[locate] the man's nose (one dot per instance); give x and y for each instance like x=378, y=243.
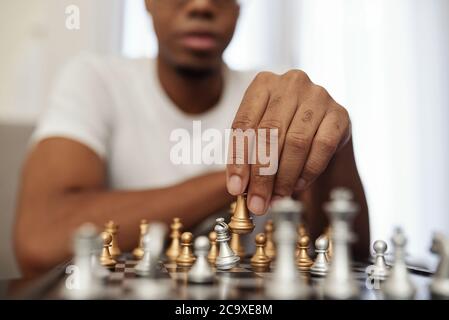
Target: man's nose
x=203, y=8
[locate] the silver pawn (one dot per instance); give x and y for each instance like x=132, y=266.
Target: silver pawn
x=379, y=270
x=439, y=287
x=153, y=242
x=399, y=286
x=321, y=266
x=226, y=259
x=83, y=283
x=201, y=271
x=286, y=282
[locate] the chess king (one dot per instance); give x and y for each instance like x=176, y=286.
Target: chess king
x=100, y=151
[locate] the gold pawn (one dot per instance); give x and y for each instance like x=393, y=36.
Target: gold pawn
x=235, y=243
x=106, y=258
x=112, y=228
x=270, y=248
x=303, y=261
x=241, y=222
x=174, y=249
x=301, y=232
x=138, y=252
x=260, y=261
x=213, y=251
x=186, y=257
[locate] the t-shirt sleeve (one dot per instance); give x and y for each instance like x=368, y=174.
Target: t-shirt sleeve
x=79, y=106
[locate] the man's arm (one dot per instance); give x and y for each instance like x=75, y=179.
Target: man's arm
x=64, y=185
x=341, y=172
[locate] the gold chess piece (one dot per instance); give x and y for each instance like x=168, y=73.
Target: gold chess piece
x=186, y=257
x=213, y=251
x=301, y=231
x=241, y=222
x=138, y=252
x=106, y=259
x=303, y=261
x=260, y=261
x=174, y=249
x=330, y=249
x=235, y=243
x=270, y=249
x=112, y=228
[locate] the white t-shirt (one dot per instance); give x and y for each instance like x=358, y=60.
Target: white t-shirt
x=117, y=107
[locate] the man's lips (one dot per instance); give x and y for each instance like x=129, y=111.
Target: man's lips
x=199, y=41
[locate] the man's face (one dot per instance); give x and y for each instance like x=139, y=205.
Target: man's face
x=193, y=34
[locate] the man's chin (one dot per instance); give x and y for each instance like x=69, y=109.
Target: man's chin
x=198, y=65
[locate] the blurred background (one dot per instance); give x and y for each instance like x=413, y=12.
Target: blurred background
x=386, y=61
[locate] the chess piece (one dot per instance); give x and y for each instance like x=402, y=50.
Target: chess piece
x=301, y=231
x=399, y=286
x=112, y=228
x=175, y=247
x=213, y=251
x=330, y=249
x=138, y=252
x=153, y=244
x=379, y=270
x=439, y=287
x=106, y=259
x=286, y=282
x=270, y=249
x=86, y=284
x=226, y=259
x=186, y=257
x=236, y=244
x=241, y=222
x=303, y=261
x=232, y=207
x=201, y=271
x=260, y=261
x=340, y=282
x=321, y=266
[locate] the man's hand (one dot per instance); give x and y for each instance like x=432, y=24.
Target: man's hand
x=311, y=128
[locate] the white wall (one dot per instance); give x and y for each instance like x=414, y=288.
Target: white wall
x=35, y=43
x=388, y=63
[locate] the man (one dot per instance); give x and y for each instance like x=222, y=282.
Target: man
x=102, y=150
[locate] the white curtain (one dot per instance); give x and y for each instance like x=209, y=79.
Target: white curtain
x=388, y=63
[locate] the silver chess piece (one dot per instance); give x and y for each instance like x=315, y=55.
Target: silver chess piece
x=227, y=259
x=439, y=287
x=340, y=282
x=399, y=286
x=379, y=270
x=153, y=243
x=83, y=282
x=321, y=266
x=201, y=271
x=286, y=282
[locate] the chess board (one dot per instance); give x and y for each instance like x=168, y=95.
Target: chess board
x=171, y=283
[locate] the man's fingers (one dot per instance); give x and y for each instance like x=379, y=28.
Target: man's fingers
x=270, y=138
x=297, y=145
x=331, y=132
x=243, y=133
